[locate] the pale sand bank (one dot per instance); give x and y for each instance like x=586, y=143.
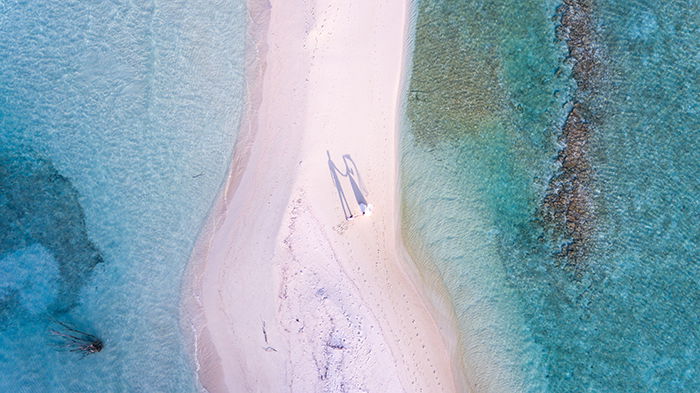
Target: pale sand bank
x=284, y=294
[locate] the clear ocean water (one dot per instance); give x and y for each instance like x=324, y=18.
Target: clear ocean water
x=117, y=122
x=491, y=88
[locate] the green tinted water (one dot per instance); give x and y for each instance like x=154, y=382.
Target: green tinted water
x=489, y=93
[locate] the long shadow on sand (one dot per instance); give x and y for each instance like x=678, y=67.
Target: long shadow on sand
x=358, y=186
x=356, y=183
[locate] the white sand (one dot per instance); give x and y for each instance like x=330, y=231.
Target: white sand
x=285, y=294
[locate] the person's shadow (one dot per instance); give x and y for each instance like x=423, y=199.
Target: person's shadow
x=356, y=183
x=353, y=175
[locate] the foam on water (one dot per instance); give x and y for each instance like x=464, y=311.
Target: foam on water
x=117, y=121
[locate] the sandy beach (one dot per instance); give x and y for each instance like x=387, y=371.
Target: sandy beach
x=286, y=291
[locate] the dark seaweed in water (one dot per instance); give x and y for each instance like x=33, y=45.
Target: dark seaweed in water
x=567, y=204
x=39, y=205
x=77, y=341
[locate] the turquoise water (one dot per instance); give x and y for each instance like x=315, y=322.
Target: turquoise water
x=489, y=98
x=117, y=121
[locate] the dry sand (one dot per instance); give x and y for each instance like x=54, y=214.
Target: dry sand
x=285, y=294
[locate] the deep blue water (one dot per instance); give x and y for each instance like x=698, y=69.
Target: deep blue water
x=491, y=89
x=117, y=123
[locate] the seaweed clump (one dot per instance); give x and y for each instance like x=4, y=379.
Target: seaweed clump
x=78, y=341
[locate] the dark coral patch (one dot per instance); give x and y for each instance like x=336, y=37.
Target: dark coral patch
x=567, y=205
x=39, y=205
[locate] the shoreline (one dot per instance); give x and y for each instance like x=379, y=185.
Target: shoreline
x=270, y=309
x=425, y=277
x=193, y=320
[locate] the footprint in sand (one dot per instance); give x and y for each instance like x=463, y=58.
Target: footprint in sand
x=342, y=227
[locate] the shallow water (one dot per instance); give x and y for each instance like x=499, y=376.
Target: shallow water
x=117, y=122
x=490, y=91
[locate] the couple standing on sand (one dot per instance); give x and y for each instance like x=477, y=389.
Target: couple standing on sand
x=358, y=188
x=365, y=209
